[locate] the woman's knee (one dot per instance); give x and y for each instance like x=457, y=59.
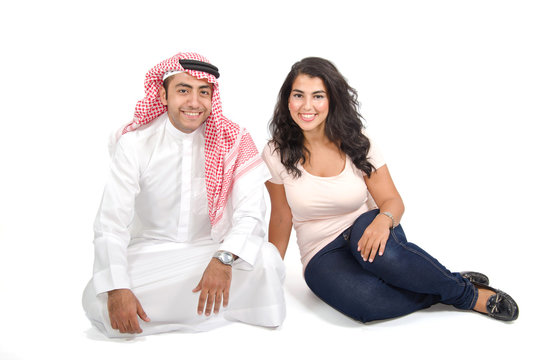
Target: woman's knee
x=360, y=307
x=361, y=223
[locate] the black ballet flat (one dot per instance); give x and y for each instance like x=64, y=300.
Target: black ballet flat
x=500, y=306
x=475, y=277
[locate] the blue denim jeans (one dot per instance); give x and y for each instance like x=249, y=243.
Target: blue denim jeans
x=404, y=279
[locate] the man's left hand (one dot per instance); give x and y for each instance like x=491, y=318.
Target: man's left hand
x=214, y=287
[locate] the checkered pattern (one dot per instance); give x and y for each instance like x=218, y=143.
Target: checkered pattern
x=229, y=150
x=242, y=158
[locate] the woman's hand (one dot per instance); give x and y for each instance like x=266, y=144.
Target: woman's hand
x=385, y=194
x=374, y=238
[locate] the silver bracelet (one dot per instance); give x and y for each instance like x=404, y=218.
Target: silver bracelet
x=389, y=215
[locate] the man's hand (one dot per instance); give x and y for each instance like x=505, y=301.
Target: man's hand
x=214, y=287
x=124, y=309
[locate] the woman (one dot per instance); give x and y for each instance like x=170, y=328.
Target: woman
x=334, y=187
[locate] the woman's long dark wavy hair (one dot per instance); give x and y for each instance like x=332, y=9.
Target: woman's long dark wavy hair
x=343, y=125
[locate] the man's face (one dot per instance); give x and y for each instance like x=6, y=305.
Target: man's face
x=189, y=101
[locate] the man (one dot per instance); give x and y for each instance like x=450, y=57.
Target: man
x=180, y=230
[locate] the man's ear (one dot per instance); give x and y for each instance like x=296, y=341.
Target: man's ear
x=162, y=95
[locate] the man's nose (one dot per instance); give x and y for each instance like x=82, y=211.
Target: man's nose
x=193, y=100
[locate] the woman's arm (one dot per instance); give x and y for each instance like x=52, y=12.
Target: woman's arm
x=385, y=194
x=281, y=218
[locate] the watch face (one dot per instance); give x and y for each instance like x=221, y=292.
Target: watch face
x=225, y=258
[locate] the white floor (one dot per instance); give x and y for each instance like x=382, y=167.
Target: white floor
x=451, y=91
x=39, y=322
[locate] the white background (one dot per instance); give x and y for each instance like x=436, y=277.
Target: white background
x=452, y=91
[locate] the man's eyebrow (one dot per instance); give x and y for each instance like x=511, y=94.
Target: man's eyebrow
x=190, y=86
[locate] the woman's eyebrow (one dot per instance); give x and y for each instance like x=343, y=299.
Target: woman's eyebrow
x=315, y=92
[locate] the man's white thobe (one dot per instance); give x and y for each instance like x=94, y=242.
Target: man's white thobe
x=153, y=236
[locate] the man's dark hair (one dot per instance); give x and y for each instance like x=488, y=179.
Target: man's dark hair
x=165, y=83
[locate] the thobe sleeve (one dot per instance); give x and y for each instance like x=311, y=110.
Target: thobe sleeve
x=112, y=221
x=247, y=232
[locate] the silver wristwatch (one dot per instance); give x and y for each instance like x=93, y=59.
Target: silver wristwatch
x=224, y=256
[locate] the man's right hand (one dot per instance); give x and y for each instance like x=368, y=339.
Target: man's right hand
x=124, y=309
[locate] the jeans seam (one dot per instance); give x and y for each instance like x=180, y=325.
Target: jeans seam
x=424, y=257
x=474, y=297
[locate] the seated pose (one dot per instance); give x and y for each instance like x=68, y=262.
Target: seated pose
x=180, y=231
x=332, y=185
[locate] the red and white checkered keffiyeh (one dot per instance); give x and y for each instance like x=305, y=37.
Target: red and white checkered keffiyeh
x=229, y=150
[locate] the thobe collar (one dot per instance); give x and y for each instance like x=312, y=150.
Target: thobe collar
x=172, y=130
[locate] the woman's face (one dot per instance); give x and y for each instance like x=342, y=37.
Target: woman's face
x=309, y=103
